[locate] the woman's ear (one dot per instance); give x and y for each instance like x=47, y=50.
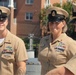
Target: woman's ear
x=64, y=23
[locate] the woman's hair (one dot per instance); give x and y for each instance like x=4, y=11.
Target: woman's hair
x=64, y=29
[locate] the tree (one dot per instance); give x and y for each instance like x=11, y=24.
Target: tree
x=43, y=16
x=43, y=21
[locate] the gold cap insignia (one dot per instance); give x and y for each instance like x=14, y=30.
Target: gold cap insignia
x=53, y=13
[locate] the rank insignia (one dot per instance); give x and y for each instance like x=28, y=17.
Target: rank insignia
x=8, y=47
x=60, y=47
x=8, y=50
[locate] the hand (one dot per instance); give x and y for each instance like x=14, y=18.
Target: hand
x=21, y=68
x=53, y=72
x=60, y=71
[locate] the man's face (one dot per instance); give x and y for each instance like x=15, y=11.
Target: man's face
x=3, y=24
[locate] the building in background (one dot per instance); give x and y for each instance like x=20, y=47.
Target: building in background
x=26, y=15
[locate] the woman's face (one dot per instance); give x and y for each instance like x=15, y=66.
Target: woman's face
x=56, y=27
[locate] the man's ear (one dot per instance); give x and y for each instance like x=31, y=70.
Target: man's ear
x=7, y=21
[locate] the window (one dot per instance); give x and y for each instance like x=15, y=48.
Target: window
x=29, y=16
x=4, y=3
x=29, y=1
x=4, y=0
x=47, y=3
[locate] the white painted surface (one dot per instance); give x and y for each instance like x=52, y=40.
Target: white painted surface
x=11, y=3
x=33, y=67
x=30, y=54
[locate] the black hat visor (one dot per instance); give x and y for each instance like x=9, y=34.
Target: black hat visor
x=73, y=21
x=56, y=18
x=3, y=17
